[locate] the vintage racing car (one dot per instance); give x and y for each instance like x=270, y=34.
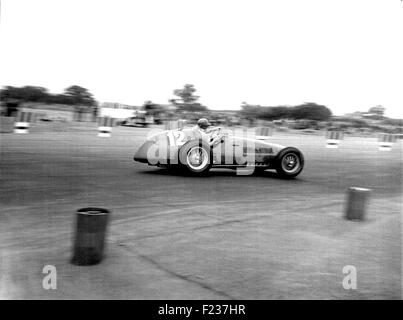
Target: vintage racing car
x=198, y=152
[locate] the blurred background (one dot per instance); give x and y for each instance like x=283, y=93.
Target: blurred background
x=77, y=104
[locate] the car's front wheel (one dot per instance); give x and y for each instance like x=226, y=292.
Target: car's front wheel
x=289, y=162
x=196, y=157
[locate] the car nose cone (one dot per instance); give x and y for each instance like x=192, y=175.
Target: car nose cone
x=141, y=154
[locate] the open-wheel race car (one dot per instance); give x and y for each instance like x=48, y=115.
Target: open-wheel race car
x=197, y=152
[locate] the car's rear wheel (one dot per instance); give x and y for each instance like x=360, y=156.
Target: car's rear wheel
x=289, y=162
x=195, y=156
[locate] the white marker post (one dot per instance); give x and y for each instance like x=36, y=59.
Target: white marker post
x=333, y=139
x=263, y=133
x=23, y=122
x=105, y=127
x=386, y=141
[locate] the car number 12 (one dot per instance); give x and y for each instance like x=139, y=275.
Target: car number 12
x=176, y=138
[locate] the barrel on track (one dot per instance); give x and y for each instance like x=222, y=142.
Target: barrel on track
x=356, y=204
x=89, y=237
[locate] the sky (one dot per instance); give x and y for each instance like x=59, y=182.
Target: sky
x=345, y=54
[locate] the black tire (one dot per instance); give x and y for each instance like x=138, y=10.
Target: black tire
x=289, y=162
x=204, y=152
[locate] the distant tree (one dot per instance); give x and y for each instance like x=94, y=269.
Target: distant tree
x=393, y=122
x=151, y=108
x=9, y=92
x=79, y=96
x=377, y=110
x=60, y=99
x=34, y=94
x=311, y=111
x=308, y=111
x=82, y=100
x=12, y=97
x=24, y=94
x=9, y=103
x=187, y=99
x=191, y=107
x=249, y=111
x=278, y=112
x=186, y=94
x=149, y=105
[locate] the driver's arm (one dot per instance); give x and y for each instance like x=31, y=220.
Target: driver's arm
x=215, y=136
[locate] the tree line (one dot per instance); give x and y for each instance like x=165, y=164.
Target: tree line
x=73, y=95
x=308, y=110
x=186, y=101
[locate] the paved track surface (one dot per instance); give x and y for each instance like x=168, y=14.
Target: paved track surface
x=173, y=236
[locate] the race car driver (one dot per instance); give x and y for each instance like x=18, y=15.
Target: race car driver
x=203, y=126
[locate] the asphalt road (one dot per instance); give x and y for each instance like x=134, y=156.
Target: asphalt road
x=173, y=236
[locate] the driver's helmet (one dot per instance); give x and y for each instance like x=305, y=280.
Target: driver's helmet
x=203, y=123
